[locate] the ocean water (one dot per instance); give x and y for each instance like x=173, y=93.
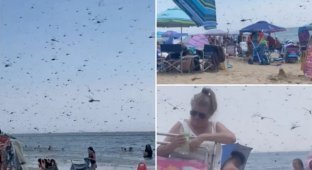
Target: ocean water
x=73, y=146
x=273, y=160
x=289, y=34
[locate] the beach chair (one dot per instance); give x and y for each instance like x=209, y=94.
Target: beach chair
x=209, y=60
x=164, y=163
x=292, y=53
x=173, y=61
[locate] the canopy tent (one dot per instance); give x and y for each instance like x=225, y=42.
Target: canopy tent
x=202, y=12
x=262, y=26
x=229, y=148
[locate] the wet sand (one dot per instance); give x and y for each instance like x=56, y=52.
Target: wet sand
x=240, y=73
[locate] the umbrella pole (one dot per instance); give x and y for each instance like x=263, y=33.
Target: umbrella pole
x=181, y=35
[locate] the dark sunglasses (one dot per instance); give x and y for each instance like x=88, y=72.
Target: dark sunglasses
x=199, y=114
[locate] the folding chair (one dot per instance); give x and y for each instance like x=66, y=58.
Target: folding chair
x=209, y=60
x=163, y=163
x=174, y=58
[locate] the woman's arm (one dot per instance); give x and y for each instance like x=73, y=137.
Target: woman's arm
x=174, y=142
x=222, y=135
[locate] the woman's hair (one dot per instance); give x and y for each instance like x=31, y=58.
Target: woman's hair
x=299, y=161
x=206, y=98
x=148, y=147
x=91, y=149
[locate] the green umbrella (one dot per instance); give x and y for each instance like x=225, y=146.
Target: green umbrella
x=174, y=17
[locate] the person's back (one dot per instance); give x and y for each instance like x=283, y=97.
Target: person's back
x=148, y=153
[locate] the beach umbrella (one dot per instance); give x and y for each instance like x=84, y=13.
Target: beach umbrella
x=202, y=12
x=174, y=17
x=197, y=41
x=216, y=32
x=262, y=26
x=229, y=148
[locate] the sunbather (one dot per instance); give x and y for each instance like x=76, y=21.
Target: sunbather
x=202, y=132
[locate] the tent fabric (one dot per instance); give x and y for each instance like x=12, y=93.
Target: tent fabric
x=262, y=26
x=174, y=17
x=202, y=12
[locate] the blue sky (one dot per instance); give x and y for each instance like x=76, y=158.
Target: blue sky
x=240, y=109
x=286, y=13
x=57, y=55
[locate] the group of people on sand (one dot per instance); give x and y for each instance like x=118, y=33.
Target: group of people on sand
x=256, y=44
x=47, y=164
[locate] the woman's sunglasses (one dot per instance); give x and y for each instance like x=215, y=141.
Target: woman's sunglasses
x=199, y=114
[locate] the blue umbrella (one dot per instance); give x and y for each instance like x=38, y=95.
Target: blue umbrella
x=228, y=149
x=202, y=12
x=262, y=26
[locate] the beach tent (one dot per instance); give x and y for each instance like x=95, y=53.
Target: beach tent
x=202, y=12
x=229, y=148
x=196, y=41
x=262, y=26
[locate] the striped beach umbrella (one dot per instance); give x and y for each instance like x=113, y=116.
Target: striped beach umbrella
x=202, y=12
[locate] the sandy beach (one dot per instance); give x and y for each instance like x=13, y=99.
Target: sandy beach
x=240, y=73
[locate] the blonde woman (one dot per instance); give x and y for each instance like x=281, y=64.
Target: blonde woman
x=198, y=134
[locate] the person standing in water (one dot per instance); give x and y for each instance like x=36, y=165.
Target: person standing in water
x=92, y=158
x=148, y=152
x=198, y=132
